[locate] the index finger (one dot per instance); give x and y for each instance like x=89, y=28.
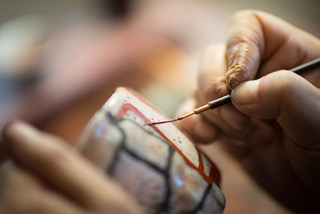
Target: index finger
x=259, y=43
x=64, y=170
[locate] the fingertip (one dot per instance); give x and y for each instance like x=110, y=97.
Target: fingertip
x=9, y=130
x=246, y=93
x=16, y=132
x=7, y=137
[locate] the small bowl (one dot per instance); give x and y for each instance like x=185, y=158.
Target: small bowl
x=158, y=164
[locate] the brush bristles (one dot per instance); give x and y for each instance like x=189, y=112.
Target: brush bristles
x=170, y=121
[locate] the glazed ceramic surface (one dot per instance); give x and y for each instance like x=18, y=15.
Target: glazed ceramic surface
x=158, y=165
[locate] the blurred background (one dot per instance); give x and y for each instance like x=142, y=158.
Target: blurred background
x=61, y=60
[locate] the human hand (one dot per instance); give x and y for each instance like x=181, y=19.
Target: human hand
x=273, y=126
x=45, y=175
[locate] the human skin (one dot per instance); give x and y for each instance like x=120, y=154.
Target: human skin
x=46, y=175
x=272, y=126
x=266, y=129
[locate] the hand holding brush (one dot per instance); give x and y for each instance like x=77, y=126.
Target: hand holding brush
x=272, y=128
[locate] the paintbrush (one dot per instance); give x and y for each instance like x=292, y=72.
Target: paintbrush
x=227, y=98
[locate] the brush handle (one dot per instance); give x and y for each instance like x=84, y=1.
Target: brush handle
x=220, y=101
x=306, y=67
x=298, y=70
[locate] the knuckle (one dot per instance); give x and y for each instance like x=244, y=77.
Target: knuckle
x=247, y=29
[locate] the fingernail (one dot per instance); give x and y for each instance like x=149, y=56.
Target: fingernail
x=205, y=131
x=234, y=118
x=245, y=93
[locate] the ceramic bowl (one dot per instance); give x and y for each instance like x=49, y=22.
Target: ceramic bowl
x=158, y=164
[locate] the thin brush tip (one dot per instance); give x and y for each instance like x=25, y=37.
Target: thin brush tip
x=170, y=121
x=161, y=122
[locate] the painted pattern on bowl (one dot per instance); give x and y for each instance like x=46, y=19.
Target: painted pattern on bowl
x=159, y=165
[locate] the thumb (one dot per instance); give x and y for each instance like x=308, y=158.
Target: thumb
x=289, y=99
